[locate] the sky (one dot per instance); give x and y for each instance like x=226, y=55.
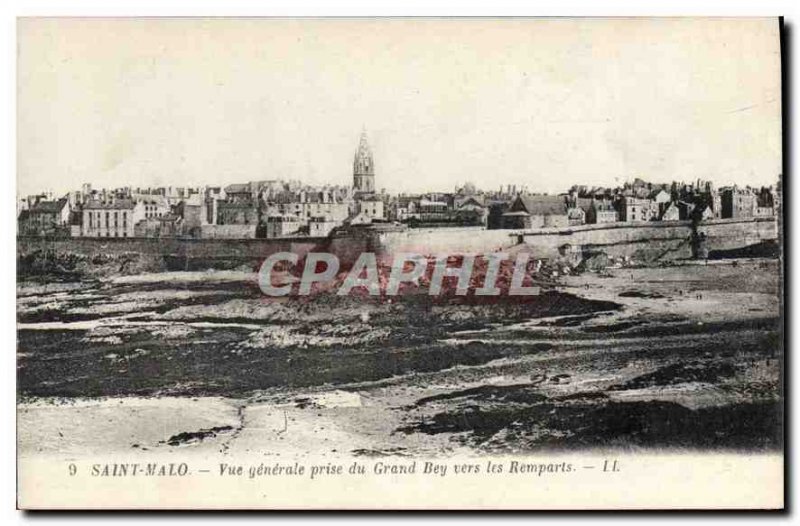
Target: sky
x=545, y=103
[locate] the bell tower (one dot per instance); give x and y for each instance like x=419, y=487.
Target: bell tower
x=363, y=168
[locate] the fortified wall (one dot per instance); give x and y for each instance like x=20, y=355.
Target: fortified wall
x=649, y=241
x=645, y=241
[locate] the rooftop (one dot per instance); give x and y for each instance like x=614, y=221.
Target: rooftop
x=118, y=204
x=44, y=207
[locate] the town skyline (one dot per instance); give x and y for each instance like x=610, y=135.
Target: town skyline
x=499, y=186
x=280, y=208
x=546, y=108
x=504, y=188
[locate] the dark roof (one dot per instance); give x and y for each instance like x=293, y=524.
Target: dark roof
x=48, y=206
x=478, y=200
x=542, y=204
x=231, y=204
x=150, y=199
x=118, y=204
x=765, y=199
x=238, y=188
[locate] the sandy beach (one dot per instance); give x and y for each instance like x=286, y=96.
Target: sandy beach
x=630, y=358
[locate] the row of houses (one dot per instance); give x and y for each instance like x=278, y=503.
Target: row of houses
x=437, y=209
x=259, y=209
x=631, y=205
x=514, y=207
x=276, y=209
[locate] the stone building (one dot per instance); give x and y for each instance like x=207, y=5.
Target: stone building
x=576, y=216
x=765, y=203
x=285, y=225
x=321, y=226
x=737, y=202
x=372, y=206
x=239, y=193
x=601, y=211
x=495, y=210
x=310, y=202
x=154, y=205
x=169, y=225
x=45, y=218
x=432, y=210
x=669, y=211
x=236, y=213
x=115, y=218
x=637, y=209
x=470, y=211
x=537, y=211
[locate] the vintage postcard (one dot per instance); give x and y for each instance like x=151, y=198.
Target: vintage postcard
x=379, y=263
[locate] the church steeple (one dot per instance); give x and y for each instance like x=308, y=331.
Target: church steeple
x=363, y=167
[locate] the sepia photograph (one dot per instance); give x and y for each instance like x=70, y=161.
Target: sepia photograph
x=399, y=263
